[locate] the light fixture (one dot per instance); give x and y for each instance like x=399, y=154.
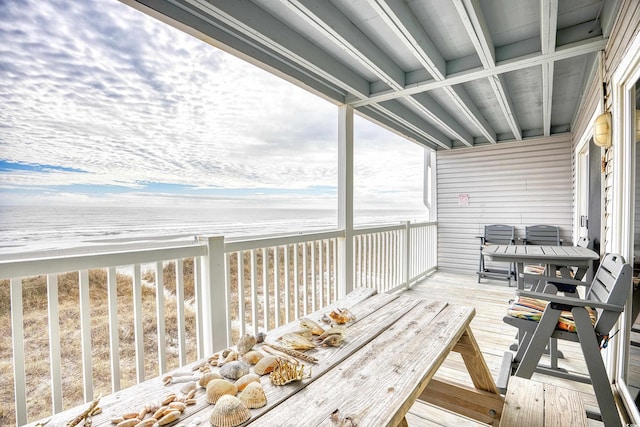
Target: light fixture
x=602, y=130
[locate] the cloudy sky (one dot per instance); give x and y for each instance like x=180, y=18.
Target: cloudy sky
x=101, y=105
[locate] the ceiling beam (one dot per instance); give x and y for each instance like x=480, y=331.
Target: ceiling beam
x=250, y=23
x=548, y=30
x=529, y=60
x=400, y=19
x=330, y=22
x=434, y=111
x=475, y=24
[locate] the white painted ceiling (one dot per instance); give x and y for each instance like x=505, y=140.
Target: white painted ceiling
x=443, y=73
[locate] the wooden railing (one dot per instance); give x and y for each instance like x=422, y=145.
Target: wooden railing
x=218, y=291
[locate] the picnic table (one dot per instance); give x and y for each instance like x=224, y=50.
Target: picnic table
x=388, y=359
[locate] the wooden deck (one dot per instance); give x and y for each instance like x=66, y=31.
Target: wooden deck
x=490, y=299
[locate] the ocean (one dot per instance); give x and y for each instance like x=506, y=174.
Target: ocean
x=26, y=229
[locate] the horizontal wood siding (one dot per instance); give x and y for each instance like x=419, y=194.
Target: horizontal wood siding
x=519, y=183
x=625, y=28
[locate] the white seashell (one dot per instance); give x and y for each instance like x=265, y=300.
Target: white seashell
x=234, y=370
x=253, y=396
x=229, y=412
x=218, y=388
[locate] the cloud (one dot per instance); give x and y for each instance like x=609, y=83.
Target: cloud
x=112, y=98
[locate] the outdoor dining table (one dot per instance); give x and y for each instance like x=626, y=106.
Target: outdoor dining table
x=550, y=256
x=387, y=361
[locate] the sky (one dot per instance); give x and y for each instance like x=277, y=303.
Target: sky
x=102, y=105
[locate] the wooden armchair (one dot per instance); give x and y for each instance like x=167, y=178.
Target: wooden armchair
x=540, y=316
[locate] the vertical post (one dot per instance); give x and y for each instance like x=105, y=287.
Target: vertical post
x=345, y=199
x=407, y=254
x=214, y=296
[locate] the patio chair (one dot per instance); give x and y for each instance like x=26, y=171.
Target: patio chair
x=544, y=315
x=496, y=234
x=543, y=235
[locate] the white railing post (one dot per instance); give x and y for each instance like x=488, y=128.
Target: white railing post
x=407, y=254
x=345, y=199
x=214, y=296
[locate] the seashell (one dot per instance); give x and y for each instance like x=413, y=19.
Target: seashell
x=244, y=380
x=168, y=399
x=315, y=329
x=234, y=370
x=180, y=406
x=143, y=412
x=260, y=337
x=149, y=422
x=117, y=420
x=265, y=365
x=252, y=357
x=334, y=340
x=231, y=356
x=129, y=415
x=190, y=402
x=218, y=388
x=341, y=316
x=229, y=412
x=326, y=319
x=246, y=343
x=332, y=331
x=187, y=387
x=169, y=418
x=160, y=411
x=131, y=422
x=208, y=376
x=225, y=352
x=253, y=396
x=296, y=341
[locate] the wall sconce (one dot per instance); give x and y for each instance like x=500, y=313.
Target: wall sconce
x=602, y=130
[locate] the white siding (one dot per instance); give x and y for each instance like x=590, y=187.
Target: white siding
x=519, y=183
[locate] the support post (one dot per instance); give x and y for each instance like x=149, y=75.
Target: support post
x=345, y=199
x=214, y=296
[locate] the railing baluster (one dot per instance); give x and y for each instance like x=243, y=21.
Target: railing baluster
x=328, y=269
x=227, y=297
x=197, y=294
x=240, y=279
x=114, y=340
x=17, y=340
x=182, y=339
x=254, y=293
x=335, y=269
x=296, y=281
x=276, y=284
x=85, y=334
x=162, y=344
x=314, y=305
x=137, y=323
x=265, y=288
x=321, y=273
x=287, y=285
x=54, y=342
x=305, y=279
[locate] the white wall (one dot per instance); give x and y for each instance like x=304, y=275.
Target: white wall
x=518, y=183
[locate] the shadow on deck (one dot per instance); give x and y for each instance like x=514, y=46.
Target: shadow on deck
x=490, y=299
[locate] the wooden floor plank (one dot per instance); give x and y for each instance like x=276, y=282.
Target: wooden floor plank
x=490, y=300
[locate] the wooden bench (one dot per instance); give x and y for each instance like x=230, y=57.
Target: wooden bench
x=532, y=403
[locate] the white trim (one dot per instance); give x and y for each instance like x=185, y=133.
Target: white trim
x=581, y=185
x=623, y=80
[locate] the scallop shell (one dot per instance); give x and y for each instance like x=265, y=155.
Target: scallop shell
x=253, y=396
x=218, y=388
x=246, y=343
x=234, y=370
x=187, y=387
x=265, y=365
x=252, y=357
x=229, y=412
x=296, y=341
x=246, y=380
x=208, y=376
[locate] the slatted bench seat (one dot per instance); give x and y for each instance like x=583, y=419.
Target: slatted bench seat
x=532, y=403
